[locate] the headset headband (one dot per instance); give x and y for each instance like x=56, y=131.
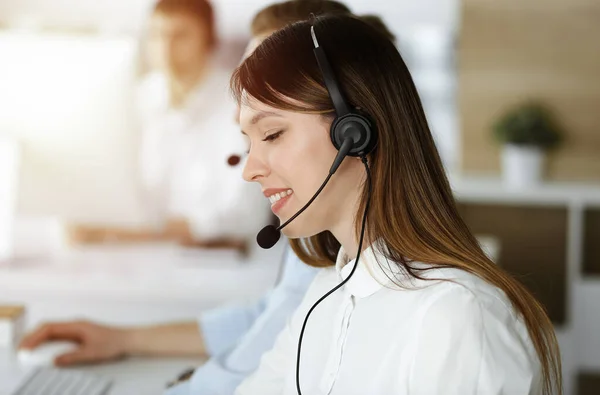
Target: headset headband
x=339, y=103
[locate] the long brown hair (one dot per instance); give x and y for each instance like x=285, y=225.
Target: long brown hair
x=412, y=209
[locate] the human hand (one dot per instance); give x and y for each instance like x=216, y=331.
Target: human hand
x=96, y=343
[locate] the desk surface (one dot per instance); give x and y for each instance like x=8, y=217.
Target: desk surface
x=144, y=271
x=146, y=376
x=137, y=284
x=133, y=285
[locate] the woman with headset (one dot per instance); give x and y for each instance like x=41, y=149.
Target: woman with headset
x=409, y=303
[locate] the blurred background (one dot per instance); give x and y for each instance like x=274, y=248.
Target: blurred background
x=511, y=90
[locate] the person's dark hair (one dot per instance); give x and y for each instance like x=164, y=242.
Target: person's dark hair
x=202, y=10
x=279, y=15
x=412, y=211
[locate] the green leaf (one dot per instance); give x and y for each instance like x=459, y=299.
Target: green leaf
x=528, y=124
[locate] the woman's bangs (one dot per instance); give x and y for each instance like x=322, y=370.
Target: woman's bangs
x=279, y=77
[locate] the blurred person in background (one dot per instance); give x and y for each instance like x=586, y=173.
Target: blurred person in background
x=191, y=193
x=234, y=337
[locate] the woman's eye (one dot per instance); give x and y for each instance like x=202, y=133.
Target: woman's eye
x=273, y=136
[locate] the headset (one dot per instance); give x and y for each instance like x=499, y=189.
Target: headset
x=348, y=124
x=352, y=134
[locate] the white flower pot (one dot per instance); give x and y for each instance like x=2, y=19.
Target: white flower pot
x=522, y=166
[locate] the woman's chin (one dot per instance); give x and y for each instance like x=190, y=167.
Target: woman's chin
x=290, y=233
x=297, y=231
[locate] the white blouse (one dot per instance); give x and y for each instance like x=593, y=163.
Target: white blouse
x=437, y=337
x=183, y=160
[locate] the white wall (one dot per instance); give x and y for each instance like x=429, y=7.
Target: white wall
x=76, y=134
x=120, y=14
x=234, y=15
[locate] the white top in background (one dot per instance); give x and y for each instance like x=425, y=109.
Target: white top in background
x=184, y=156
x=439, y=337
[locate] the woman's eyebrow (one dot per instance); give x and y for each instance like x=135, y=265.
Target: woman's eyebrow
x=263, y=114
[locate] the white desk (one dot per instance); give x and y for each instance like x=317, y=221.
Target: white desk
x=132, y=286
x=147, y=376
x=135, y=285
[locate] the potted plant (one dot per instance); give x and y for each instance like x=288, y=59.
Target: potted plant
x=526, y=133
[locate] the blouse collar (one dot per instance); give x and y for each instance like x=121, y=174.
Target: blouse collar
x=374, y=271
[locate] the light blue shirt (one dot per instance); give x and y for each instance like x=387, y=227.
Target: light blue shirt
x=236, y=337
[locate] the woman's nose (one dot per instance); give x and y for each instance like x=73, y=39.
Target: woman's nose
x=255, y=168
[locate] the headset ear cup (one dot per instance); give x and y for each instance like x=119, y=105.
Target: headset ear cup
x=372, y=139
x=357, y=127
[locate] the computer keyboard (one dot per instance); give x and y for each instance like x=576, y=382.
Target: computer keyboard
x=50, y=381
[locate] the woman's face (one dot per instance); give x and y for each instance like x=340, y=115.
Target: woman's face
x=177, y=43
x=290, y=156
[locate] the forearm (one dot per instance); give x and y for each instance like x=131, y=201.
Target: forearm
x=182, y=339
x=128, y=235
x=97, y=234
